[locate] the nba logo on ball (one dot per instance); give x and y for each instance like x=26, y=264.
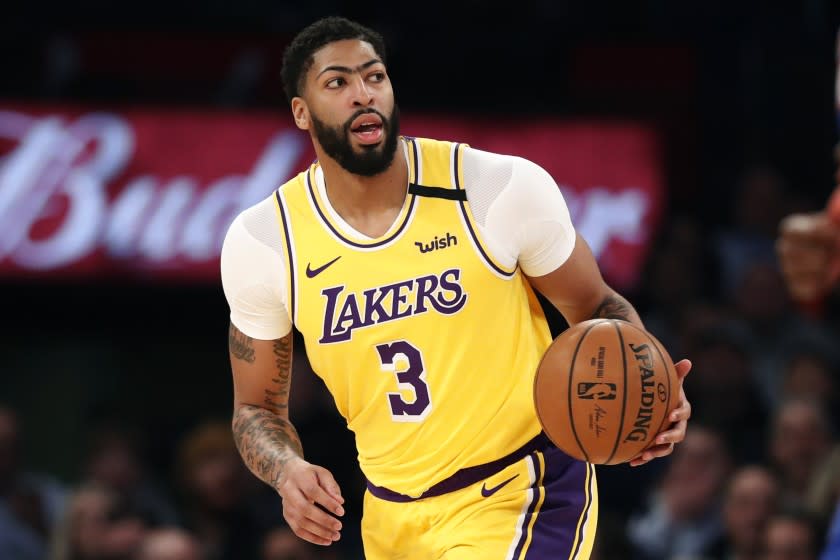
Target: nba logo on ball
x=596, y=391
x=609, y=415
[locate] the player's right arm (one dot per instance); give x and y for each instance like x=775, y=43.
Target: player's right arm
x=269, y=443
x=260, y=346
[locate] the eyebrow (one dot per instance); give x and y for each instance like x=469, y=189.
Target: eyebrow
x=348, y=70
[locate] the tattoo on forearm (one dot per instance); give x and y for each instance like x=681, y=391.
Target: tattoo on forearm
x=278, y=397
x=266, y=442
x=614, y=307
x=241, y=345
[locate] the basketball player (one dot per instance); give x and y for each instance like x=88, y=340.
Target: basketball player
x=409, y=267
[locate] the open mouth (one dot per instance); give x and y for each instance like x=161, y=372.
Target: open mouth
x=367, y=128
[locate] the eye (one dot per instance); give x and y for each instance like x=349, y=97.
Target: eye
x=377, y=76
x=335, y=83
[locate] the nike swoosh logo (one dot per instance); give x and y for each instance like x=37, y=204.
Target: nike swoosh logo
x=312, y=273
x=487, y=492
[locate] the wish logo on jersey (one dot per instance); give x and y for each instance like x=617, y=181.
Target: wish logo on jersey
x=345, y=312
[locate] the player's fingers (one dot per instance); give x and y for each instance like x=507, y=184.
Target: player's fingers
x=301, y=514
x=683, y=410
x=322, y=528
x=652, y=453
x=674, y=435
x=297, y=507
x=316, y=515
x=682, y=367
x=658, y=451
x=312, y=537
x=328, y=483
x=316, y=494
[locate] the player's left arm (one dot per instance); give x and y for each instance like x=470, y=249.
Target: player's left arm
x=529, y=223
x=577, y=289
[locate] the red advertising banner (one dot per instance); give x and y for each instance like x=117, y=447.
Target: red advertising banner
x=151, y=192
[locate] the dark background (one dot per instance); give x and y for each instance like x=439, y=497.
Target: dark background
x=729, y=85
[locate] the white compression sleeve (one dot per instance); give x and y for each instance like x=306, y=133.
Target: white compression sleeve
x=254, y=274
x=520, y=209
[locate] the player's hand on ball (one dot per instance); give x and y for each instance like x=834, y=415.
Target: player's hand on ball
x=664, y=442
x=304, y=487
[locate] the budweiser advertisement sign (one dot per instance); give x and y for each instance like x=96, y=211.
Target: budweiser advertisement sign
x=150, y=193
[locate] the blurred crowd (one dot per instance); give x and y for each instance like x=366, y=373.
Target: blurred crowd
x=757, y=478
x=211, y=508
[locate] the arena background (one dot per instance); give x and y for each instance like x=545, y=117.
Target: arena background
x=680, y=132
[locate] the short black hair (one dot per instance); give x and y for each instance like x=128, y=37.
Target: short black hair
x=297, y=58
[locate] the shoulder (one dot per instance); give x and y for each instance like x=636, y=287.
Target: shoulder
x=257, y=222
x=505, y=166
x=253, y=236
x=487, y=175
x=253, y=272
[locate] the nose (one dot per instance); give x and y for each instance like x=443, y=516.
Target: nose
x=362, y=96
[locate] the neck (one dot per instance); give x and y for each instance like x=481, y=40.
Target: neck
x=369, y=204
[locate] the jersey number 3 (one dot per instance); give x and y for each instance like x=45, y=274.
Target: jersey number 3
x=406, y=362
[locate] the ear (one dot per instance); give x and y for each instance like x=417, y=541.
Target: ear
x=301, y=113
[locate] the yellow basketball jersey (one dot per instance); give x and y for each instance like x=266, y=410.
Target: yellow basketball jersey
x=428, y=345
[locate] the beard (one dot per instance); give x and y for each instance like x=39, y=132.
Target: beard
x=371, y=160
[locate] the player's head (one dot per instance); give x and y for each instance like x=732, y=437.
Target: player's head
x=335, y=79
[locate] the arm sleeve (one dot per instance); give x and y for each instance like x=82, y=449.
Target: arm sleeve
x=524, y=215
x=253, y=278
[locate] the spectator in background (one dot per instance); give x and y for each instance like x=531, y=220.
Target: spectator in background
x=800, y=441
x=751, y=498
x=758, y=206
x=97, y=525
x=216, y=490
x=115, y=462
x=30, y=504
x=810, y=376
x=683, y=519
x=282, y=544
x=811, y=373
x=808, y=247
x=792, y=534
x=169, y=544
x=726, y=389
x=677, y=275
x=774, y=330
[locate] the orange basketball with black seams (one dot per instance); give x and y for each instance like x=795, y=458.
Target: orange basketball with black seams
x=604, y=390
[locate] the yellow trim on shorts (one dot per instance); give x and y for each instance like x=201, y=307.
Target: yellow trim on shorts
x=540, y=499
x=589, y=536
x=583, y=549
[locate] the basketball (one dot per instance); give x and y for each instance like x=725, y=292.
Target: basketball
x=604, y=390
